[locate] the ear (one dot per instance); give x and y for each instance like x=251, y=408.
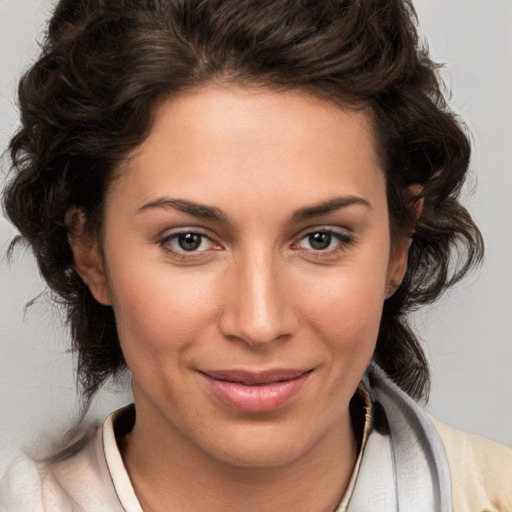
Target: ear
x=88, y=259
x=415, y=203
x=399, y=254
x=397, y=266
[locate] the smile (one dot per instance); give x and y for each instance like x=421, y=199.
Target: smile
x=256, y=391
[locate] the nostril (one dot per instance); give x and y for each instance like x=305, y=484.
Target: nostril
x=254, y=330
x=258, y=309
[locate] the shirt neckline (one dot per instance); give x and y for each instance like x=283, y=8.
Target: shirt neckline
x=121, y=480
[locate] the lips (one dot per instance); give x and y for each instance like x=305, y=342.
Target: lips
x=254, y=392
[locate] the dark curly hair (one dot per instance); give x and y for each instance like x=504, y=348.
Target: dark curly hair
x=106, y=65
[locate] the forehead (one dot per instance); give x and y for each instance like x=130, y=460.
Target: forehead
x=214, y=142
x=214, y=110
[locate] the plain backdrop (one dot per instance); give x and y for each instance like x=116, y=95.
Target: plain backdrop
x=467, y=335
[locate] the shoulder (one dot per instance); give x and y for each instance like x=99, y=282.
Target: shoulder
x=480, y=469
x=20, y=482
x=79, y=482
x=27, y=486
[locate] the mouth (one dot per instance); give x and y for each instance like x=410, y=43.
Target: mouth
x=254, y=392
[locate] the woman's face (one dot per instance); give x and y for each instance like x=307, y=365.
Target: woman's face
x=246, y=254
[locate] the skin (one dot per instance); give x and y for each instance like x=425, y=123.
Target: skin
x=254, y=295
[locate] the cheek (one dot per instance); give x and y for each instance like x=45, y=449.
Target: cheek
x=345, y=308
x=349, y=297
x=350, y=315
x=158, y=310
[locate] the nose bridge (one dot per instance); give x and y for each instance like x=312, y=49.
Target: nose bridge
x=259, y=310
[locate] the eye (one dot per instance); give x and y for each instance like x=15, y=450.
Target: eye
x=191, y=242
x=319, y=241
x=324, y=240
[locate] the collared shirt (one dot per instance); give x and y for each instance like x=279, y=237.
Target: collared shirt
x=121, y=480
x=407, y=461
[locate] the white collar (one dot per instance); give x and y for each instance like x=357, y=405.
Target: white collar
x=118, y=473
x=401, y=464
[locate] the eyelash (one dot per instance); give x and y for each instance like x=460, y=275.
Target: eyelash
x=183, y=254
x=344, y=241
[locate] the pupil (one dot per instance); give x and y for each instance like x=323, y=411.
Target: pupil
x=189, y=241
x=320, y=240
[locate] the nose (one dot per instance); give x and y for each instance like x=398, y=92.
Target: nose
x=259, y=307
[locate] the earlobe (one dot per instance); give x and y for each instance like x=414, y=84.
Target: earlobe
x=88, y=260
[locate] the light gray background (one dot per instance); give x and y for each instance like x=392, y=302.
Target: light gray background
x=468, y=335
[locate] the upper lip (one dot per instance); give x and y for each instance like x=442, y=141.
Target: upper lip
x=255, y=377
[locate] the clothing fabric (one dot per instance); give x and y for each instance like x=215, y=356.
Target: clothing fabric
x=408, y=462
x=404, y=466
x=481, y=471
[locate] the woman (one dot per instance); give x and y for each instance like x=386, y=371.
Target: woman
x=239, y=202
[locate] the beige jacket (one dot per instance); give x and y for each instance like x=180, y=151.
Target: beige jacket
x=480, y=470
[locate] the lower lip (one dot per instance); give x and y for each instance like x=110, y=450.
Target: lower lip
x=261, y=398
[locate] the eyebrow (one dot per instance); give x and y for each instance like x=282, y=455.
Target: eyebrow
x=331, y=205
x=216, y=214
x=188, y=207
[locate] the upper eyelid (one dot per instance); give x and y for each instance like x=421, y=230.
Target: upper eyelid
x=336, y=230
x=180, y=231
x=221, y=238
x=173, y=232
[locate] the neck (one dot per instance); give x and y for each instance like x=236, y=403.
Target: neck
x=169, y=472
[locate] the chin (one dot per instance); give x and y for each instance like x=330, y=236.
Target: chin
x=263, y=457
x=263, y=447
